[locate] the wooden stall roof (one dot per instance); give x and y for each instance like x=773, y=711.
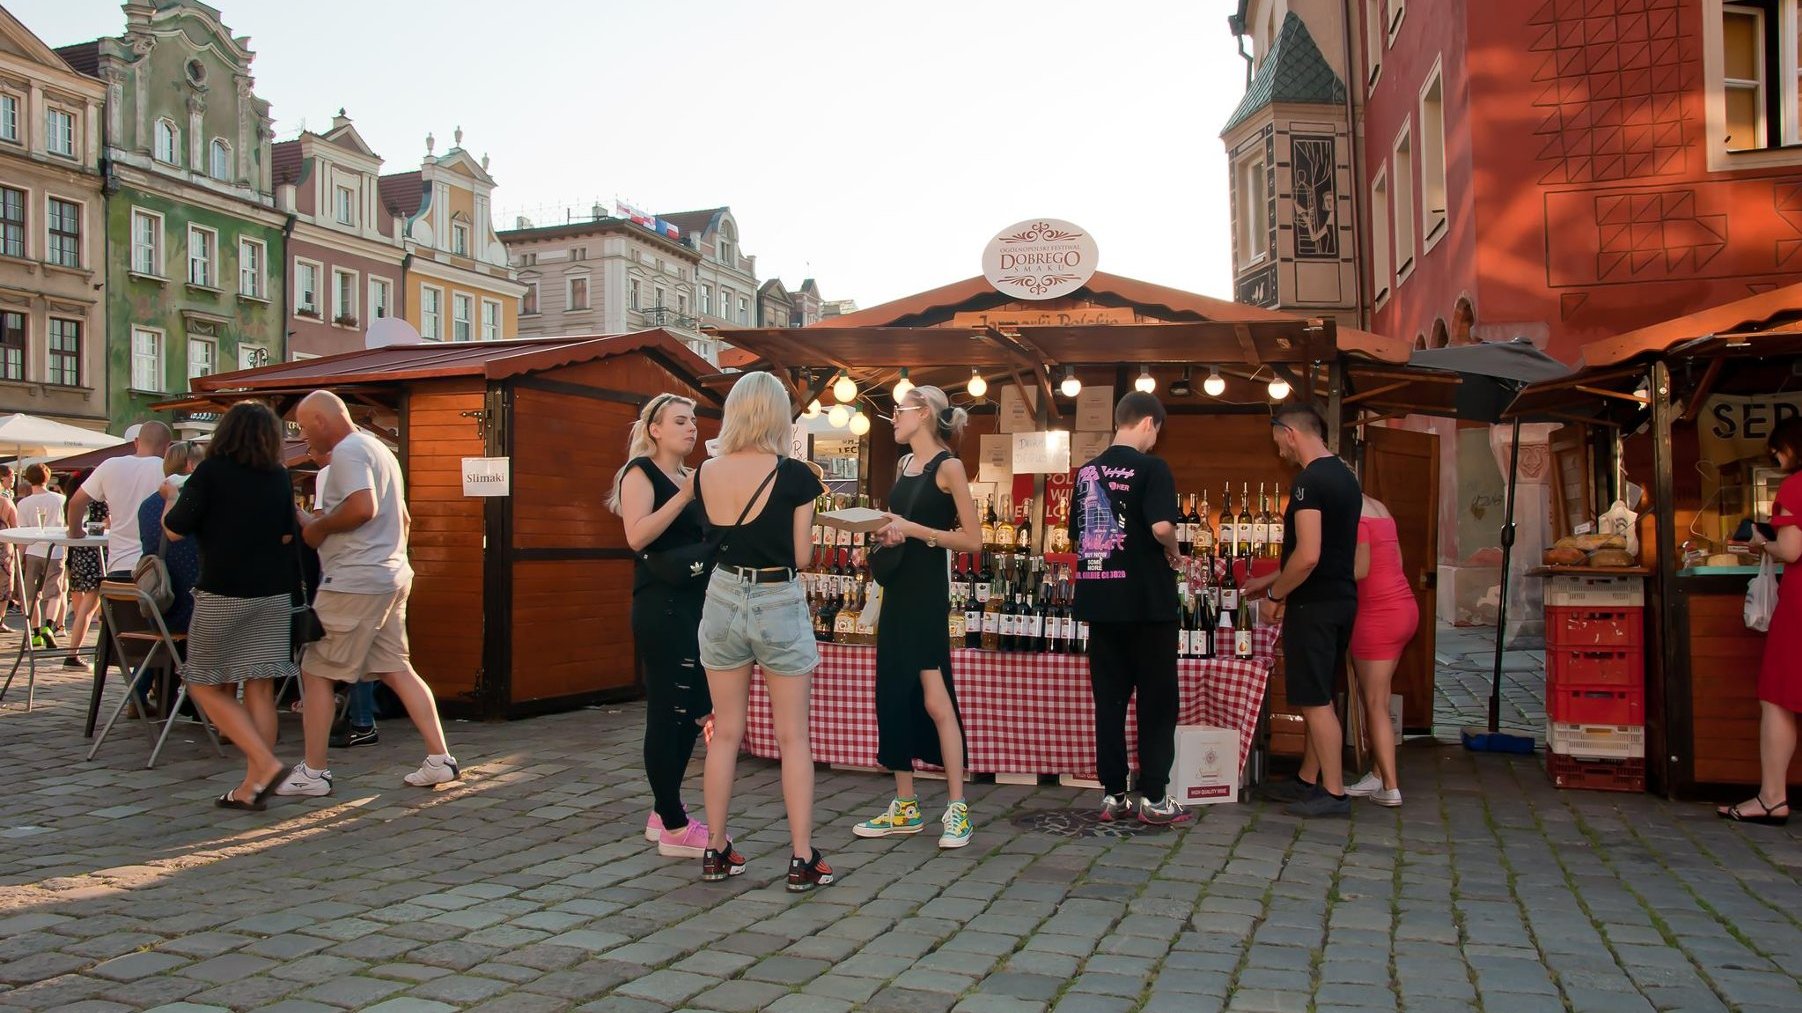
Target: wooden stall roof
x=294, y=453
x=491, y=360
x=1769, y=323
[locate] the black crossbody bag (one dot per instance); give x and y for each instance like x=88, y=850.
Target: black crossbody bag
x=690, y=565
x=886, y=562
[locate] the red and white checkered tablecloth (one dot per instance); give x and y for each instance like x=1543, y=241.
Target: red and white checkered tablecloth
x=1023, y=713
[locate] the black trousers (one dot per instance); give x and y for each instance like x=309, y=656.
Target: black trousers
x=1125, y=658
x=666, y=627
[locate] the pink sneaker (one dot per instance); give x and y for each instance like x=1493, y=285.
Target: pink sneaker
x=653, y=827
x=687, y=842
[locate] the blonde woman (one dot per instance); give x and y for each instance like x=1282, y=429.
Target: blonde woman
x=654, y=497
x=760, y=505
x=916, y=704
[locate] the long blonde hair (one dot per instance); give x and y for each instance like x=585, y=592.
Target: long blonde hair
x=947, y=422
x=640, y=444
x=757, y=416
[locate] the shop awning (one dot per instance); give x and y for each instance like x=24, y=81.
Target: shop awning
x=1766, y=324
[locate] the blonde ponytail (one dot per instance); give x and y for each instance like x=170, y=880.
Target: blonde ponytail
x=639, y=443
x=947, y=422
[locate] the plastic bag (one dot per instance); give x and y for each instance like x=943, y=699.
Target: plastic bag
x=1761, y=595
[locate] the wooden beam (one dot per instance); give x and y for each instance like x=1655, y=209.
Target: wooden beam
x=1365, y=395
x=1604, y=392
x=1704, y=387
x=1247, y=346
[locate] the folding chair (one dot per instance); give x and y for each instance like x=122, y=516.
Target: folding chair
x=126, y=608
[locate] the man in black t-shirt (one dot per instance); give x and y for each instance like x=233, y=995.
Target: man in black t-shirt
x=1123, y=521
x=1318, y=597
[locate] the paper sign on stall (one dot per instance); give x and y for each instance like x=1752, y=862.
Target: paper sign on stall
x=1085, y=447
x=1041, y=453
x=1019, y=409
x=487, y=476
x=1095, y=410
x=997, y=459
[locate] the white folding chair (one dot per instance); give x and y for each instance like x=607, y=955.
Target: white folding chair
x=126, y=608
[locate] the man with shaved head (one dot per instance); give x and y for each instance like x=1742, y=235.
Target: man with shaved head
x=360, y=530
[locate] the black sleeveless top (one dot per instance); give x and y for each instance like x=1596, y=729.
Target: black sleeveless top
x=767, y=539
x=687, y=529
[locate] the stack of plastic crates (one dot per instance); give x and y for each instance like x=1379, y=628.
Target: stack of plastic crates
x=1595, y=667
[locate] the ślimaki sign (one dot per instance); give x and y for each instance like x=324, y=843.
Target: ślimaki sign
x=1042, y=258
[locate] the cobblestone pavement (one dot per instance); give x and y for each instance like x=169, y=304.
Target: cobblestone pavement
x=1465, y=667
x=529, y=887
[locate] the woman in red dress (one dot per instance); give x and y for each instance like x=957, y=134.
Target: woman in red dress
x=1780, y=676
x=1387, y=618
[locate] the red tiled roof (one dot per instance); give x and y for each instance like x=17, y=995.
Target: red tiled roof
x=82, y=57
x=695, y=222
x=402, y=193
x=285, y=161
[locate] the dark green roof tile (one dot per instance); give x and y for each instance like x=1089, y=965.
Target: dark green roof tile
x=1294, y=73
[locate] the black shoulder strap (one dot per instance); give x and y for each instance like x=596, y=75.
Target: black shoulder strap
x=767, y=479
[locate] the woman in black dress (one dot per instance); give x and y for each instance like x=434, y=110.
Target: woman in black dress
x=916, y=704
x=654, y=496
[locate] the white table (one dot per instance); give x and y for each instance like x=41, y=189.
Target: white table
x=56, y=537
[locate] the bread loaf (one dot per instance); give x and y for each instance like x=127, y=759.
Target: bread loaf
x=1564, y=556
x=1611, y=557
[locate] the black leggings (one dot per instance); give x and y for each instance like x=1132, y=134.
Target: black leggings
x=665, y=627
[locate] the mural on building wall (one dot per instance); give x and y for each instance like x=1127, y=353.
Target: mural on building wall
x=1257, y=288
x=1314, y=173
x=1683, y=233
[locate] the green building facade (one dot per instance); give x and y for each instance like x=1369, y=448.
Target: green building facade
x=195, y=245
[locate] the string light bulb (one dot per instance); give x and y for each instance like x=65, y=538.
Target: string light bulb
x=844, y=389
x=1279, y=389
x=903, y=387
x=813, y=409
x=1146, y=382
x=977, y=386
x=1071, y=385
x=860, y=424
x=838, y=416
x=1215, y=384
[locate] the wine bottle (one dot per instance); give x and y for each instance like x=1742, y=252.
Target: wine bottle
x=988, y=525
x=1243, y=541
x=1242, y=625
x=1203, y=535
x=955, y=622
x=984, y=579
x=1229, y=524
x=1004, y=528
x=1229, y=589
x=1009, y=619
x=1023, y=532
x=972, y=623
x=1185, y=535
x=1260, y=527
x=1276, y=529
x=1054, y=620
x=1184, y=612
x=991, y=619
x=1203, y=633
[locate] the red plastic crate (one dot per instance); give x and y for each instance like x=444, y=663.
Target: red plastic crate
x=1588, y=704
x=1595, y=775
x=1592, y=666
x=1615, y=628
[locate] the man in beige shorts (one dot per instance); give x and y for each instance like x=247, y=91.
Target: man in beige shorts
x=360, y=530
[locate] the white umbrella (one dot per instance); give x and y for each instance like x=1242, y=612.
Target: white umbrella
x=30, y=436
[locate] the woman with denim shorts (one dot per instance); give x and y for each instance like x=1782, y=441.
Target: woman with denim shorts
x=759, y=503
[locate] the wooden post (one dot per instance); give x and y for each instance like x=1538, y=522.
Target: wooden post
x=1335, y=394
x=1672, y=767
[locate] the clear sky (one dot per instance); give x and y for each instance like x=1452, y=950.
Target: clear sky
x=874, y=145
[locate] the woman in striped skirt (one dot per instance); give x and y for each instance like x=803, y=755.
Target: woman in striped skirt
x=239, y=505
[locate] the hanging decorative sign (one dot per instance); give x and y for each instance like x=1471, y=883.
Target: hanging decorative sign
x=1041, y=258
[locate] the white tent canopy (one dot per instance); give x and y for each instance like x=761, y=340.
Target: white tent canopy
x=23, y=436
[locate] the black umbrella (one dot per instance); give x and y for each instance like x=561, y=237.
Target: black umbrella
x=1490, y=376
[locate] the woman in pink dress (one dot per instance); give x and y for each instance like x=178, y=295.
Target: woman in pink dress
x=1780, y=676
x=1387, y=618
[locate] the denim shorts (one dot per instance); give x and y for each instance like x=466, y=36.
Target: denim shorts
x=743, y=622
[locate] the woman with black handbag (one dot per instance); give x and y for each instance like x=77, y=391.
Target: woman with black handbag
x=654, y=497
x=916, y=704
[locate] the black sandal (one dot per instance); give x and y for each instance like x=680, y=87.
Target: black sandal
x=1768, y=818
x=226, y=801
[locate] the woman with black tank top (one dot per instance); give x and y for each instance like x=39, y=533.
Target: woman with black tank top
x=653, y=496
x=759, y=503
x=916, y=704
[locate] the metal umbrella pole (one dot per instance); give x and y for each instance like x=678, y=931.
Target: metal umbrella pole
x=1501, y=609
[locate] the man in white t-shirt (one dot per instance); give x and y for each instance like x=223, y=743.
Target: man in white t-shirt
x=123, y=484
x=360, y=529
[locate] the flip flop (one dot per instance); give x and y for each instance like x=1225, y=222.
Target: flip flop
x=1767, y=818
x=226, y=801
x=268, y=789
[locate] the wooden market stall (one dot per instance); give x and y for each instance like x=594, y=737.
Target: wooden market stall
x=520, y=603
x=1684, y=408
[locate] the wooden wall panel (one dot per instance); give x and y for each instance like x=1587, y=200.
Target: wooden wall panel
x=1724, y=660
x=572, y=628
x=444, y=616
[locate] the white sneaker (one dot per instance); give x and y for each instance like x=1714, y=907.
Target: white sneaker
x=434, y=771
x=298, y=782
x=1370, y=784
x=1391, y=797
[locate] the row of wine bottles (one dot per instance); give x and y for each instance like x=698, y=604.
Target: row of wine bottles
x=1246, y=534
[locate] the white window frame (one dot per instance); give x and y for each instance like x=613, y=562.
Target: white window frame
x=313, y=307
x=52, y=135
x=491, y=320
x=169, y=154
x=51, y=353
x=381, y=298
x=432, y=310
x=1253, y=191
x=744, y=310
x=1401, y=191
x=569, y=293
x=463, y=316
x=81, y=237
x=1434, y=222
x=344, y=296
x=154, y=268
x=459, y=230
x=1720, y=156
x=632, y=290
x=536, y=294
x=253, y=263
x=23, y=225
x=1397, y=8
x=344, y=205
x=156, y=362
x=706, y=300
x=1373, y=43
x=215, y=169
x=1381, y=237
x=211, y=262
x=10, y=104
x=211, y=347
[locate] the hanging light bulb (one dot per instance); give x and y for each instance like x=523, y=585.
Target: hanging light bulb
x=860, y=424
x=838, y=416
x=977, y=386
x=1279, y=389
x=813, y=409
x=844, y=389
x=1071, y=385
x=903, y=387
x=1146, y=382
x=1215, y=385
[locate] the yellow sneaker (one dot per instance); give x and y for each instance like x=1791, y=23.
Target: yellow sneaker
x=902, y=817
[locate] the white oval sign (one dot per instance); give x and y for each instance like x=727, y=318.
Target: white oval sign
x=1041, y=258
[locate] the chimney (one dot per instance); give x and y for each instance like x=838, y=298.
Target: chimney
x=522, y=222
x=284, y=197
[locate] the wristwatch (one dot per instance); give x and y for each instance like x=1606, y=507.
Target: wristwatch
x=932, y=539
